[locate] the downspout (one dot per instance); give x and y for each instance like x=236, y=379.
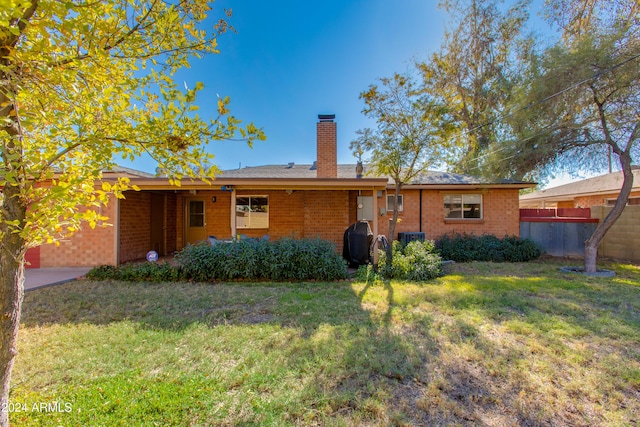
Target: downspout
x=116, y=221
x=232, y=218
x=375, y=230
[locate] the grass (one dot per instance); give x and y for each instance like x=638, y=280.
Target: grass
x=488, y=344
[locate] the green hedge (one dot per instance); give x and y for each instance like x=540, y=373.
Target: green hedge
x=139, y=272
x=281, y=260
x=467, y=247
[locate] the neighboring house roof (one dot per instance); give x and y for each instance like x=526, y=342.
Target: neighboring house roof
x=610, y=183
x=448, y=178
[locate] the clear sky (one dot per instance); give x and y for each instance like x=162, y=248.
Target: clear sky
x=294, y=59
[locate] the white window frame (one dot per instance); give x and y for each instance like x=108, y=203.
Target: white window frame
x=250, y=212
x=611, y=202
x=400, y=202
x=462, y=203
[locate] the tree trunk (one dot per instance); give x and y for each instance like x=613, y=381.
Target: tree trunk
x=12, y=251
x=591, y=245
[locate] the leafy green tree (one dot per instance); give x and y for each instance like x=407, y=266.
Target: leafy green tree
x=411, y=135
x=475, y=72
x=582, y=100
x=83, y=83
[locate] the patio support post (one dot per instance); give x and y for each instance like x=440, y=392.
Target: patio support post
x=376, y=214
x=233, y=214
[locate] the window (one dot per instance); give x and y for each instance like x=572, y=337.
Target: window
x=633, y=201
x=252, y=212
x=391, y=207
x=463, y=206
x=196, y=213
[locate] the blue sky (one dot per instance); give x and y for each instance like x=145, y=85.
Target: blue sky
x=293, y=59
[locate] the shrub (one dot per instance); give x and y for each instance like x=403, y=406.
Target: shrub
x=415, y=261
x=103, y=272
x=139, y=272
x=466, y=248
x=281, y=260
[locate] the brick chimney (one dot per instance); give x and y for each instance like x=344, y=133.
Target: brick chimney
x=327, y=151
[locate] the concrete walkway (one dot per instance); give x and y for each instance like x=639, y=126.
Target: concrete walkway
x=41, y=277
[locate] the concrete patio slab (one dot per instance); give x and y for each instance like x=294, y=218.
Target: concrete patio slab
x=36, y=278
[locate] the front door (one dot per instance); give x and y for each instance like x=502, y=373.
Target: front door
x=196, y=229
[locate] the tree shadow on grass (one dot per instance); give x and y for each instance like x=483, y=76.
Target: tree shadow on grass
x=303, y=353
x=558, y=348
x=343, y=353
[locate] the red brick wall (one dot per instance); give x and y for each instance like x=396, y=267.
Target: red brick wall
x=587, y=202
x=303, y=214
x=87, y=248
x=172, y=225
x=500, y=214
x=218, y=214
x=286, y=215
x=135, y=225
x=326, y=215
x=179, y=221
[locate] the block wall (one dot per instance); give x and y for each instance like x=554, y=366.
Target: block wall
x=88, y=247
x=622, y=241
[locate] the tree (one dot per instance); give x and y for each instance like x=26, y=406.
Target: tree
x=582, y=100
x=82, y=83
x=410, y=137
x=475, y=71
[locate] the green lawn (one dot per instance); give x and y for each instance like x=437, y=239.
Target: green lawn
x=488, y=344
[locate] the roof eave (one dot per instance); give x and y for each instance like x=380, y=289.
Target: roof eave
x=470, y=186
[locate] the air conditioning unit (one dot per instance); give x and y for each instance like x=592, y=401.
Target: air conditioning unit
x=406, y=237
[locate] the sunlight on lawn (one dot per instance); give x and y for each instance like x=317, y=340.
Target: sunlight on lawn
x=487, y=344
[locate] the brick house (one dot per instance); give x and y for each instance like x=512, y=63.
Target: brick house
x=316, y=200
x=601, y=190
